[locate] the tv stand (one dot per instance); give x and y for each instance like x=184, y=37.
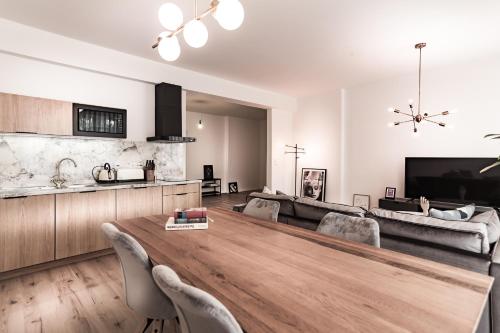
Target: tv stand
x=413, y=205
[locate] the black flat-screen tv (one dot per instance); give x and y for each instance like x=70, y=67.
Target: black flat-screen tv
x=455, y=180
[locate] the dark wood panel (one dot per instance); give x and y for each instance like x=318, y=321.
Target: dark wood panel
x=278, y=278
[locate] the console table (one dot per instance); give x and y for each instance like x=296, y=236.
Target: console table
x=213, y=185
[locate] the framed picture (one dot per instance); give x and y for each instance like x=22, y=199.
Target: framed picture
x=390, y=193
x=233, y=187
x=361, y=200
x=208, y=172
x=313, y=184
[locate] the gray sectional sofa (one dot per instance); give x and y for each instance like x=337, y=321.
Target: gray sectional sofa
x=472, y=246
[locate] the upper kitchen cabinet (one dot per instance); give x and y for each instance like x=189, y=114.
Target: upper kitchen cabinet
x=24, y=114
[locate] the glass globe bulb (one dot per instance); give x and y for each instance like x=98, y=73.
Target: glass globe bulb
x=230, y=14
x=170, y=16
x=195, y=33
x=200, y=125
x=169, y=48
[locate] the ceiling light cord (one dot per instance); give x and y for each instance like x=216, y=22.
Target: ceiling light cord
x=419, y=78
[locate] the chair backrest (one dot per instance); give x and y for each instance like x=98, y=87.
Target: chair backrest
x=358, y=229
x=142, y=294
x=198, y=311
x=263, y=209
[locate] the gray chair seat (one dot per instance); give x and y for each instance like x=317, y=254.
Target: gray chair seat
x=357, y=229
x=141, y=293
x=199, y=312
x=262, y=209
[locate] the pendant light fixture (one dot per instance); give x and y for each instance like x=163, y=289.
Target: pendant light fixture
x=200, y=125
x=228, y=13
x=416, y=115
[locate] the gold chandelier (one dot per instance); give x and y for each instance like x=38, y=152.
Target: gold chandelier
x=416, y=116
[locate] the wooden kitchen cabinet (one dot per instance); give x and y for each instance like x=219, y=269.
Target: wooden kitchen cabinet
x=27, y=114
x=79, y=217
x=26, y=231
x=138, y=202
x=181, y=196
x=7, y=115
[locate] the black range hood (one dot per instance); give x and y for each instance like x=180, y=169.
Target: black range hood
x=168, y=115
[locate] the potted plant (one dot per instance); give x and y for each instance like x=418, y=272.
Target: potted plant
x=497, y=163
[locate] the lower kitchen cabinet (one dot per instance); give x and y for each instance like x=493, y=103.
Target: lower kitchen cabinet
x=174, y=200
x=137, y=202
x=78, y=222
x=26, y=231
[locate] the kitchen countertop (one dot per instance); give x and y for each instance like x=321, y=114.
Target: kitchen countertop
x=13, y=192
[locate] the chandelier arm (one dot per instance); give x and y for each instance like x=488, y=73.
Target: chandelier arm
x=435, y=115
x=413, y=120
x=404, y=113
x=213, y=7
x=403, y=122
x=435, y=122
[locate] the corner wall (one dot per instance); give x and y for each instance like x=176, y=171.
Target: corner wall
x=236, y=147
x=375, y=154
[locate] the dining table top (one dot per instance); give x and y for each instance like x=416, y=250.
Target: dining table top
x=275, y=277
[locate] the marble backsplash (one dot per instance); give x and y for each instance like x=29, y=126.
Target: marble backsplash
x=30, y=160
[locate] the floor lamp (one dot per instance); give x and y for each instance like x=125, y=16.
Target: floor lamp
x=295, y=150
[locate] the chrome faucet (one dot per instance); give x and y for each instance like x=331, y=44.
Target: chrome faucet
x=57, y=180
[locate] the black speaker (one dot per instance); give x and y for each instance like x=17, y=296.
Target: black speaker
x=208, y=172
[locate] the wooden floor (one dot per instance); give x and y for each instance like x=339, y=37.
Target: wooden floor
x=84, y=297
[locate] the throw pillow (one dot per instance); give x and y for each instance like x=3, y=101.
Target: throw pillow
x=490, y=218
x=267, y=190
x=459, y=214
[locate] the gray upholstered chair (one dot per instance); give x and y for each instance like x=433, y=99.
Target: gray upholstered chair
x=358, y=229
x=141, y=293
x=263, y=209
x=199, y=312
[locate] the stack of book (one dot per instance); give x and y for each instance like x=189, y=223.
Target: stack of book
x=188, y=219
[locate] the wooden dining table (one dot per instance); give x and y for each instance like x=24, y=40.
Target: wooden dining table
x=278, y=278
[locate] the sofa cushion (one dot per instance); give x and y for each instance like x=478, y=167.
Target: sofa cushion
x=357, y=229
x=316, y=210
x=490, y=218
x=467, y=236
x=286, y=202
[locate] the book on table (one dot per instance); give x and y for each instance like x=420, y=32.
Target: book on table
x=188, y=219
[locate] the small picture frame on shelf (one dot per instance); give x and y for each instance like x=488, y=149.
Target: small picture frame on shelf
x=233, y=187
x=390, y=193
x=361, y=200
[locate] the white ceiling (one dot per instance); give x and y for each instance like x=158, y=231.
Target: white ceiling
x=294, y=47
x=204, y=103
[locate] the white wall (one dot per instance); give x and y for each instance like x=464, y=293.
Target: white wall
x=31, y=77
x=317, y=129
x=209, y=147
x=280, y=170
x=39, y=63
x=236, y=147
x=245, y=158
x=346, y=131
x=375, y=153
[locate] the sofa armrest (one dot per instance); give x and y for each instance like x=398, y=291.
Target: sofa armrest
x=239, y=208
x=495, y=290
